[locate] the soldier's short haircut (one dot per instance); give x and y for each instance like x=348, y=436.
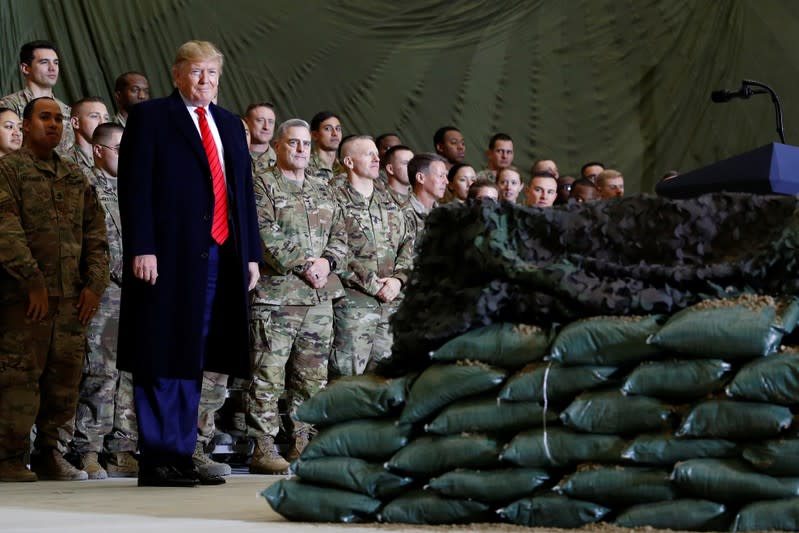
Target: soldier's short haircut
x=382, y=136
x=583, y=182
x=498, y=137
x=607, y=174
x=122, y=82
x=346, y=141
x=591, y=164
x=195, y=51
x=316, y=121
x=421, y=163
x=438, y=136
x=268, y=105
x=86, y=100
x=481, y=183
x=391, y=151
x=27, y=49
x=27, y=113
x=103, y=133
x=290, y=123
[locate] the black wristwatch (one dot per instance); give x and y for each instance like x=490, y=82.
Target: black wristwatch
x=330, y=261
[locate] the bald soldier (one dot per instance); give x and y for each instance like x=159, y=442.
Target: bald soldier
x=304, y=240
x=53, y=271
x=39, y=64
x=378, y=265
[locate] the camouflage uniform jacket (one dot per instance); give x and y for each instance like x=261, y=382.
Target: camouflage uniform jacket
x=17, y=102
x=105, y=186
x=119, y=119
x=295, y=224
x=320, y=169
x=487, y=174
x=79, y=157
x=417, y=213
x=52, y=229
x=380, y=244
x=262, y=161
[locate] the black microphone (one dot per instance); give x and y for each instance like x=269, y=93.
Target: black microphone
x=725, y=95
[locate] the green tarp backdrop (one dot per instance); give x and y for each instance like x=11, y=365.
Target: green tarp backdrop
x=627, y=82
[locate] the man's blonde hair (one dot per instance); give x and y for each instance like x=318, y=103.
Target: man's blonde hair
x=607, y=174
x=195, y=51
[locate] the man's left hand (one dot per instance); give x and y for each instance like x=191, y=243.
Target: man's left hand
x=88, y=302
x=255, y=274
x=391, y=289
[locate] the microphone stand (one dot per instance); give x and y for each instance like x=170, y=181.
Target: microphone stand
x=774, y=98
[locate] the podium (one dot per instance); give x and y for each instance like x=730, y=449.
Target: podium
x=770, y=169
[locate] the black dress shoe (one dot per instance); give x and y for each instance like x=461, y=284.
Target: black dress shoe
x=203, y=479
x=165, y=476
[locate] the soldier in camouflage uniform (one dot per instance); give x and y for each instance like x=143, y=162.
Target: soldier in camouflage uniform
x=326, y=135
x=87, y=114
x=379, y=262
x=106, y=419
x=428, y=176
x=260, y=119
x=54, y=259
x=130, y=88
x=38, y=61
x=395, y=163
x=500, y=155
x=304, y=240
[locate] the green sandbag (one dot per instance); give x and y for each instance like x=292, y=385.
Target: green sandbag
x=606, y=341
x=612, y=412
x=486, y=415
x=440, y=385
x=664, y=449
x=730, y=480
x=303, y=502
x=490, y=486
x=680, y=515
x=778, y=457
x=772, y=379
x=427, y=507
x=739, y=328
x=677, y=380
x=618, y=485
x=354, y=398
x=432, y=456
x=503, y=345
x=351, y=474
x=558, y=447
x=562, y=383
x=553, y=510
x=372, y=440
x=729, y=419
x=777, y=515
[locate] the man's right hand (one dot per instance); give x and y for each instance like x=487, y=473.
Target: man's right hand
x=145, y=267
x=38, y=304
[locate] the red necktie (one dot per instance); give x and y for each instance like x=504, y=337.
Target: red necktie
x=219, y=229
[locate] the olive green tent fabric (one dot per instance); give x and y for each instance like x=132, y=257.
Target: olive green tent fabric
x=626, y=82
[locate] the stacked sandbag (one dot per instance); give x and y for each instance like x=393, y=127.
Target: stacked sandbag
x=681, y=422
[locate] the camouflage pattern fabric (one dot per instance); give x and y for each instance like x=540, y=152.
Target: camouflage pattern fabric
x=362, y=338
x=212, y=398
x=17, y=102
x=40, y=368
x=417, y=213
x=79, y=157
x=291, y=347
x=119, y=119
x=262, y=161
x=321, y=170
x=486, y=174
x=633, y=255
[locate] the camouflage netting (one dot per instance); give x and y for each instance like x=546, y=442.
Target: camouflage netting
x=493, y=263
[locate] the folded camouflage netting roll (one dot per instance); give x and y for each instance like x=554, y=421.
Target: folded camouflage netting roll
x=627, y=256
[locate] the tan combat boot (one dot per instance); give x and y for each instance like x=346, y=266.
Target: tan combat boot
x=91, y=465
x=51, y=465
x=122, y=464
x=205, y=465
x=14, y=470
x=301, y=440
x=266, y=459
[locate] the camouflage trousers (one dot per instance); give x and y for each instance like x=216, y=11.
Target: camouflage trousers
x=291, y=346
x=362, y=339
x=40, y=369
x=105, y=419
x=212, y=398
